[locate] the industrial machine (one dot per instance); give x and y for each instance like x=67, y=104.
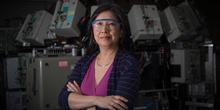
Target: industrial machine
x=35, y=28
x=16, y=100
x=16, y=68
x=185, y=66
x=15, y=73
x=145, y=22
x=66, y=17
x=45, y=79
x=179, y=22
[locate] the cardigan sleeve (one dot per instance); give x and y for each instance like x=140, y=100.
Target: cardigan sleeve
x=75, y=75
x=128, y=81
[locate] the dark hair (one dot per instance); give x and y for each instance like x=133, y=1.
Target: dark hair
x=116, y=10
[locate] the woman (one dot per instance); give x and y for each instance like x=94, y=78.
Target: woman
x=108, y=78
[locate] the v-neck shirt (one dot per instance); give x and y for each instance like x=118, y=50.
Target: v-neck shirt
x=89, y=86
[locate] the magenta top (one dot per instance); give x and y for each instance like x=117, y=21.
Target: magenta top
x=89, y=87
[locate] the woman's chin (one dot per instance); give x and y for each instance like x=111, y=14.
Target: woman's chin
x=106, y=45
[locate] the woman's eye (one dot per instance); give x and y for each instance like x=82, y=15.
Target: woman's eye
x=99, y=23
x=112, y=24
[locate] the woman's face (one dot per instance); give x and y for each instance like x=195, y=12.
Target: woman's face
x=106, y=29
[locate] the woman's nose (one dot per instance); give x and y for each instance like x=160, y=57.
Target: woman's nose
x=105, y=28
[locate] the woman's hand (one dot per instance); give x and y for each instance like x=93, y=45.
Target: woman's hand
x=73, y=87
x=112, y=102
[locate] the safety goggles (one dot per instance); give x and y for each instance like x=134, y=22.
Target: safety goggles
x=110, y=24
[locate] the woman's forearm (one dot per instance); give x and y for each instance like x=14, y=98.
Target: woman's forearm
x=77, y=101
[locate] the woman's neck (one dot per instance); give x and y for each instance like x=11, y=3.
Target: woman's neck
x=106, y=56
x=106, y=53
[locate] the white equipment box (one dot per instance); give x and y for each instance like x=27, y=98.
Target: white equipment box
x=93, y=8
x=45, y=79
x=145, y=22
x=66, y=17
x=35, y=28
x=179, y=22
x=185, y=65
